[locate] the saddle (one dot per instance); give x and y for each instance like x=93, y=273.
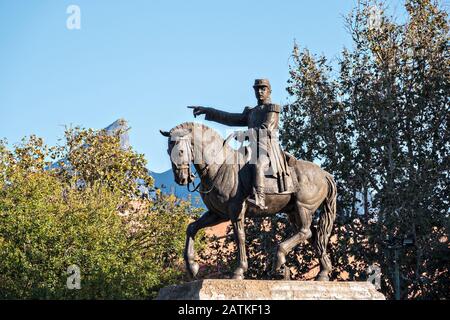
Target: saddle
x=285, y=183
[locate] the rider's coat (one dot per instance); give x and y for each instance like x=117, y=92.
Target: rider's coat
x=264, y=116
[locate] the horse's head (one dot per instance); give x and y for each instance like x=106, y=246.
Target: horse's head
x=181, y=154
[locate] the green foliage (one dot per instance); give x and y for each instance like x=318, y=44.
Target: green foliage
x=93, y=156
x=381, y=127
x=125, y=247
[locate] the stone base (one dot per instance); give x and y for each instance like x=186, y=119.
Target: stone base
x=211, y=289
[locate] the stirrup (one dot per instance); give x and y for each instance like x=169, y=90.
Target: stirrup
x=260, y=204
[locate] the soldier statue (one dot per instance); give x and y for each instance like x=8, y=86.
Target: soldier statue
x=281, y=183
x=262, y=122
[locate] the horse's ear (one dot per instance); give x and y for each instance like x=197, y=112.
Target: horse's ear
x=165, y=133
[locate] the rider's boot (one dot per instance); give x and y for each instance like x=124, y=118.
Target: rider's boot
x=259, y=199
x=259, y=196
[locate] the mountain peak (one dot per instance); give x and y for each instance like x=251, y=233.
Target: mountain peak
x=120, y=125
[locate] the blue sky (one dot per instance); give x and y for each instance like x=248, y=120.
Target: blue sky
x=145, y=61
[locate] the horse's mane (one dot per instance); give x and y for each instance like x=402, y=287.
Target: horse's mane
x=207, y=131
x=191, y=125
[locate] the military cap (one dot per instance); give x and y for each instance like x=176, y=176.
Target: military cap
x=262, y=83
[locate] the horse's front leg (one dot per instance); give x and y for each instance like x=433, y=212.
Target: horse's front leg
x=208, y=219
x=239, y=234
x=302, y=219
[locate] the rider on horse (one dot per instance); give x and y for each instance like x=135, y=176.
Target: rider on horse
x=262, y=121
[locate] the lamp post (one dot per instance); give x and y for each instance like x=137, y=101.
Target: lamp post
x=395, y=244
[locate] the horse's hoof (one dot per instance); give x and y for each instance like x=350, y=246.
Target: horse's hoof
x=322, y=277
x=193, y=270
x=238, y=277
x=281, y=261
x=287, y=273
x=238, y=274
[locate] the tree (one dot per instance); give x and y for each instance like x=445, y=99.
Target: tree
x=124, y=246
x=381, y=128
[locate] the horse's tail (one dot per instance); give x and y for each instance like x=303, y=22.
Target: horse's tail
x=327, y=218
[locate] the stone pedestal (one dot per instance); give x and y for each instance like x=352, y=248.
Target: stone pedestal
x=210, y=289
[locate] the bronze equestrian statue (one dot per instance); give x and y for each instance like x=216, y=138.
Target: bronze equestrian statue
x=281, y=184
x=263, y=118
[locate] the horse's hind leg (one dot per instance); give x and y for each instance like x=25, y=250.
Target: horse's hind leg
x=303, y=219
x=324, y=230
x=325, y=262
x=208, y=219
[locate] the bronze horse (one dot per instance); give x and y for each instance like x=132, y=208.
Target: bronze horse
x=225, y=189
